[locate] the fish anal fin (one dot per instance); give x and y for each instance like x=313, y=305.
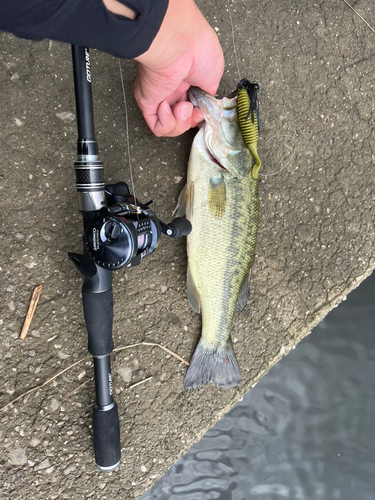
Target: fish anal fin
x=192, y=293
x=244, y=293
x=218, y=366
x=217, y=196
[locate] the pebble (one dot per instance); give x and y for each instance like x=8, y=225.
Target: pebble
x=43, y=465
x=11, y=305
x=163, y=289
x=54, y=404
x=18, y=122
x=63, y=355
x=143, y=468
x=125, y=373
x=66, y=116
x=18, y=456
x=34, y=441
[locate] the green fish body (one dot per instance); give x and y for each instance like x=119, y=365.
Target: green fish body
x=222, y=203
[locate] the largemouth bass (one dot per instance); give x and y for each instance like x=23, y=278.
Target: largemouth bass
x=221, y=201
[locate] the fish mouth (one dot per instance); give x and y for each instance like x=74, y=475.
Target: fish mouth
x=216, y=161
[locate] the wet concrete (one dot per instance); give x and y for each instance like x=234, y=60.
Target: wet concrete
x=316, y=240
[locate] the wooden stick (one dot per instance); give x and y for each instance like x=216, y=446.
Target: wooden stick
x=79, y=387
x=367, y=24
x=31, y=311
x=139, y=383
x=40, y=386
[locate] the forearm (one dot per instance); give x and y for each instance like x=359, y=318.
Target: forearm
x=107, y=25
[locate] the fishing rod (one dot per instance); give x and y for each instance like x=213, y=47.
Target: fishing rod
x=119, y=231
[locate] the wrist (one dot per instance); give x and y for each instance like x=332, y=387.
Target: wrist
x=120, y=9
x=182, y=24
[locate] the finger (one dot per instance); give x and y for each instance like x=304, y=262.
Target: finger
x=197, y=117
x=182, y=112
x=163, y=122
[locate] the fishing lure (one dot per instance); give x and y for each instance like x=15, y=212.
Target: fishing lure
x=247, y=106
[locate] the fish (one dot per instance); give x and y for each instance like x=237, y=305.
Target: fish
x=221, y=200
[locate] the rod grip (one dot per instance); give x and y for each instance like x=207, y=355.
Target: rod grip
x=98, y=310
x=107, y=445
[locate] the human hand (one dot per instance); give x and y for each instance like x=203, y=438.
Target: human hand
x=185, y=52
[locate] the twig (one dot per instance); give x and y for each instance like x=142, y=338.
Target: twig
x=84, y=359
x=367, y=24
x=45, y=383
x=31, y=311
x=153, y=344
x=139, y=383
x=79, y=387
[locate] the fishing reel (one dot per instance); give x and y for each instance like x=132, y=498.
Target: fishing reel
x=126, y=231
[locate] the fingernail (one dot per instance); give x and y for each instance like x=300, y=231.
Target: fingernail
x=167, y=108
x=186, y=111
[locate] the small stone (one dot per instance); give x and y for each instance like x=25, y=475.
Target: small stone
x=66, y=116
x=34, y=441
x=18, y=122
x=63, y=355
x=81, y=375
x=143, y=468
x=11, y=305
x=14, y=77
x=163, y=289
x=18, y=456
x=125, y=373
x=177, y=179
x=54, y=404
x=43, y=465
x=30, y=265
x=19, y=236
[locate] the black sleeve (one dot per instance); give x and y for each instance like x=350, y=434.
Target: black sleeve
x=85, y=22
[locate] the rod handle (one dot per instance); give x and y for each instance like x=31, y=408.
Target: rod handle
x=98, y=310
x=106, y=429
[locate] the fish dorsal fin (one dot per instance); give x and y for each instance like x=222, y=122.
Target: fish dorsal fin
x=244, y=294
x=185, y=202
x=192, y=293
x=217, y=196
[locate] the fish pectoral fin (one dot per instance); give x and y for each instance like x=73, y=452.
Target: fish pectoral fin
x=192, y=293
x=244, y=294
x=217, y=196
x=184, y=205
x=180, y=210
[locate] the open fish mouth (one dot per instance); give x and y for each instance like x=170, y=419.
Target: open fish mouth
x=216, y=161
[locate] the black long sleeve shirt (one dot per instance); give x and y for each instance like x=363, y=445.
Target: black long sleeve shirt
x=85, y=22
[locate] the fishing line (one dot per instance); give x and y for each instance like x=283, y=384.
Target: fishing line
x=287, y=163
x=234, y=43
x=127, y=129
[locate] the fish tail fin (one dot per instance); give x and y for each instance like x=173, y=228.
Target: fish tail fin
x=218, y=366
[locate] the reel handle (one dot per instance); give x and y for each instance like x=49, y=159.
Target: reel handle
x=177, y=227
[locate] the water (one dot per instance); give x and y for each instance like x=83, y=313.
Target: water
x=305, y=432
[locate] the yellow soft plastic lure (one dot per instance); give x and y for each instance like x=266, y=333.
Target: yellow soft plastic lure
x=247, y=107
